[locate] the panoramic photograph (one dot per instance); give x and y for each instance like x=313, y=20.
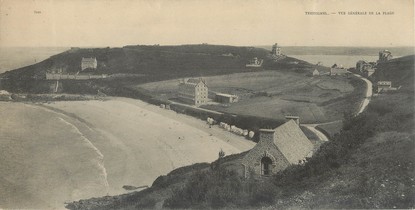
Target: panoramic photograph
x=207, y=104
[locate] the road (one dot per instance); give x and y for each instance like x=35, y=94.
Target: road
x=364, y=104
x=319, y=134
x=368, y=94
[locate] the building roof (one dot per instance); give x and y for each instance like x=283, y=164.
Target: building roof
x=89, y=59
x=194, y=81
x=384, y=83
x=292, y=142
x=226, y=95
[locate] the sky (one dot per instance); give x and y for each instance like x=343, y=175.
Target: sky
x=71, y=23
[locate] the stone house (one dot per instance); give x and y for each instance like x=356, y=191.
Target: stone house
x=193, y=91
x=276, y=50
x=338, y=70
x=366, y=68
x=384, y=86
x=384, y=56
x=89, y=63
x=255, y=62
x=276, y=150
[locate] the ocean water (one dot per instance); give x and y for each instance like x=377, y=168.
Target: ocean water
x=346, y=61
x=345, y=56
x=17, y=57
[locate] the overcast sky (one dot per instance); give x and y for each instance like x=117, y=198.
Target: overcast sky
x=234, y=22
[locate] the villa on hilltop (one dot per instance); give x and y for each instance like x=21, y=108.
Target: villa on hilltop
x=193, y=91
x=366, y=68
x=277, y=149
x=276, y=50
x=88, y=63
x=276, y=53
x=384, y=56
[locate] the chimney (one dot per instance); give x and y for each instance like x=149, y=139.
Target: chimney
x=295, y=118
x=266, y=135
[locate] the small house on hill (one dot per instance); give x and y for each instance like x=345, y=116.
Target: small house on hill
x=255, y=62
x=366, y=68
x=193, y=91
x=316, y=73
x=276, y=50
x=385, y=86
x=277, y=149
x=88, y=63
x=338, y=70
x=384, y=56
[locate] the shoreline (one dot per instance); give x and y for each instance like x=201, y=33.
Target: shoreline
x=126, y=132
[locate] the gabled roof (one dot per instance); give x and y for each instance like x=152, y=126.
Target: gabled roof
x=89, y=59
x=292, y=142
x=195, y=81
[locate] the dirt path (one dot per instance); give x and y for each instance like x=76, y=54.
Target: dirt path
x=368, y=94
x=319, y=134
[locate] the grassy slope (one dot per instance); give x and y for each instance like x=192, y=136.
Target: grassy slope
x=155, y=62
x=315, y=99
x=396, y=70
x=368, y=165
x=376, y=171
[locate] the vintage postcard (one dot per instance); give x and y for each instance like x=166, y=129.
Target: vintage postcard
x=207, y=104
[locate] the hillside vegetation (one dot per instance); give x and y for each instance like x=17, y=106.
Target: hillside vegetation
x=369, y=164
x=163, y=61
x=278, y=93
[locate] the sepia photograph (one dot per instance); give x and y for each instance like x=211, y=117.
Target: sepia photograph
x=207, y=104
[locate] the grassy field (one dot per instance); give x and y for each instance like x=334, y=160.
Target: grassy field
x=275, y=94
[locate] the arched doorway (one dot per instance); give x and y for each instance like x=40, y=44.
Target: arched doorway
x=266, y=164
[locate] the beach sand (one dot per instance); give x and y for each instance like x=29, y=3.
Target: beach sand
x=70, y=150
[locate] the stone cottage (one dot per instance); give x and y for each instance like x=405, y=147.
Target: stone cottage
x=338, y=70
x=276, y=150
x=384, y=56
x=276, y=50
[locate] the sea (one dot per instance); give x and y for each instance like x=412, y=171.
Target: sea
x=17, y=57
x=342, y=56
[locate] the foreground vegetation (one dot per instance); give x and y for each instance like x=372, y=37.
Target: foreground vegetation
x=369, y=164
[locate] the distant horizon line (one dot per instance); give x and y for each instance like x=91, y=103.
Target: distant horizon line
x=263, y=45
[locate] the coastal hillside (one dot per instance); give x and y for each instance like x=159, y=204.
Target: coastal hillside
x=397, y=71
x=369, y=164
x=160, y=61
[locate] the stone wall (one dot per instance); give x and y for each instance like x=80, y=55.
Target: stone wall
x=264, y=148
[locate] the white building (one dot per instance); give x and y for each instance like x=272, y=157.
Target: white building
x=194, y=91
x=90, y=63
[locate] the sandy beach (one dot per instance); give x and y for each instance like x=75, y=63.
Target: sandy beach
x=81, y=149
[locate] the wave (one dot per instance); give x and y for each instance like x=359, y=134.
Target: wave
x=100, y=155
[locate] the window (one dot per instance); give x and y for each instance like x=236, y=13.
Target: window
x=266, y=164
